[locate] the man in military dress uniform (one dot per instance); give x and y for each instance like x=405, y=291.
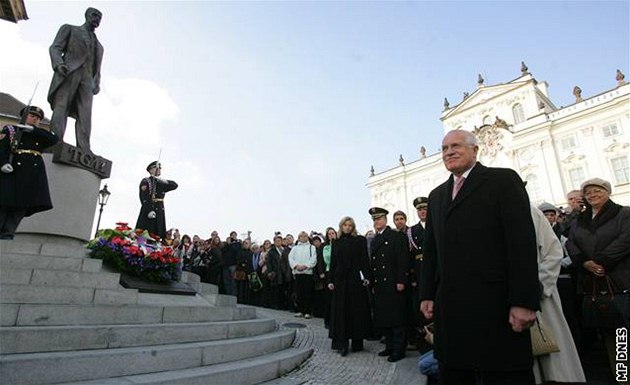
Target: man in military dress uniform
x=152, y=191
x=416, y=237
x=390, y=277
x=23, y=182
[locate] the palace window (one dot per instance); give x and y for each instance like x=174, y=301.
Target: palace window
x=576, y=177
x=621, y=169
x=519, y=114
x=610, y=130
x=533, y=189
x=568, y=142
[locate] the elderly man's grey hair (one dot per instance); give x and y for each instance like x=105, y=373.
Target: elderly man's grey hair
x=471, y=139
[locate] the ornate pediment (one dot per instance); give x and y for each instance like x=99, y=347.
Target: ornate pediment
x=481, y=96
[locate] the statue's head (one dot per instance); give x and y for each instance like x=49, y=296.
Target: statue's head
x=93, y=17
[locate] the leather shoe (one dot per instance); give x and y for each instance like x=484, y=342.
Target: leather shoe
x=395, y=357
x=384, y=353
x=343, y=352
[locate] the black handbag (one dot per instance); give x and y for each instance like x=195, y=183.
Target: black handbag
x=605, y=307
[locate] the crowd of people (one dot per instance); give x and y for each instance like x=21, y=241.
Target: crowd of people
x=468, y=285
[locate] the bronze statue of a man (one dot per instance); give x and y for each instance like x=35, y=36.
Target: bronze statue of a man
x=76, y=56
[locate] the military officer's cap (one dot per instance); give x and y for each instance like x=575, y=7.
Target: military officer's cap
x=377, y=212
x=420, y=202
x=33, y=110
x=153, y=164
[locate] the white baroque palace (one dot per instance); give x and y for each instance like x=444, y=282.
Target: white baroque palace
x=519, y=127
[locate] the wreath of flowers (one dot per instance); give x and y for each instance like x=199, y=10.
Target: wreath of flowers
x=136, y=252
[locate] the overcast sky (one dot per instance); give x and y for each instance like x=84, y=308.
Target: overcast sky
x=270, y=114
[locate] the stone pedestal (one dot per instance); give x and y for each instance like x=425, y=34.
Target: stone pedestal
x=74, y=194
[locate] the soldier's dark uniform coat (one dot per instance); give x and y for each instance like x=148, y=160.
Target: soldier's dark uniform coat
x=417, y=234
x=27, y=186
x=161, y=187
x=389, y=261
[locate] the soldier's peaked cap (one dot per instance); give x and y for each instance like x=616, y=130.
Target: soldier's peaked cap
x=155, y=163
x=33, y=110
x=420, y=202
x=377, y=212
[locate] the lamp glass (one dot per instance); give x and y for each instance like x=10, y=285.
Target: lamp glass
x=103, y=196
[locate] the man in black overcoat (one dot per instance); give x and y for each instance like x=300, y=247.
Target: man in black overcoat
x=390, y=272
x=24, y=190
x=480, y=275
x=152, y=191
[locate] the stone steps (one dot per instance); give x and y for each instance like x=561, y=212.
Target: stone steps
x=47, y=368
x=35, y=261
x=244, y=372
x=65, y=318
x=31, y=294
x=52, y=314
x=31, y=339
x=38, y=248
x=45, y=277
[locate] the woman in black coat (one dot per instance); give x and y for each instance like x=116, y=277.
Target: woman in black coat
x=599, y=245
x=243, y=259
x=350, y=310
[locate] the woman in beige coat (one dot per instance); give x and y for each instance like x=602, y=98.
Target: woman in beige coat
x=563, y=366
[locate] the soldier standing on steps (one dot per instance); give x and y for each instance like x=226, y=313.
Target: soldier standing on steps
x=23, y=185
x=152, y=191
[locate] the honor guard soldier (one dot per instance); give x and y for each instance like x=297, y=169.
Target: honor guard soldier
x=23, y=181
x=390, y=268
x=416, y=237
x=152, y=191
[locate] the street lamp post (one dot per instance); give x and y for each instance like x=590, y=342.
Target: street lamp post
x=103, y=197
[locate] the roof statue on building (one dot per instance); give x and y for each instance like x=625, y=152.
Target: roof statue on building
x=447, y=105
x=577, y=92
x=423, y=152
x=620, y=78
x=401, y=160
x=371, y=170
x=480, y=80
x=524, y=69
x=466, y=95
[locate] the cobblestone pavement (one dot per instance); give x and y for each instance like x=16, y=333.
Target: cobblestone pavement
x=327, y=367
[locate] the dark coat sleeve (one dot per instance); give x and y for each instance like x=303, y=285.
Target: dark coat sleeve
x=428, y=281
x=333, y=264
x=144, y=192
x=46, y=138
x=402, y=256
x=619, y=248
x=364, y=259
x=167, y=185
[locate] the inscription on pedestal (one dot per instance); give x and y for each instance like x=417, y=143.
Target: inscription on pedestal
x=73, y=156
